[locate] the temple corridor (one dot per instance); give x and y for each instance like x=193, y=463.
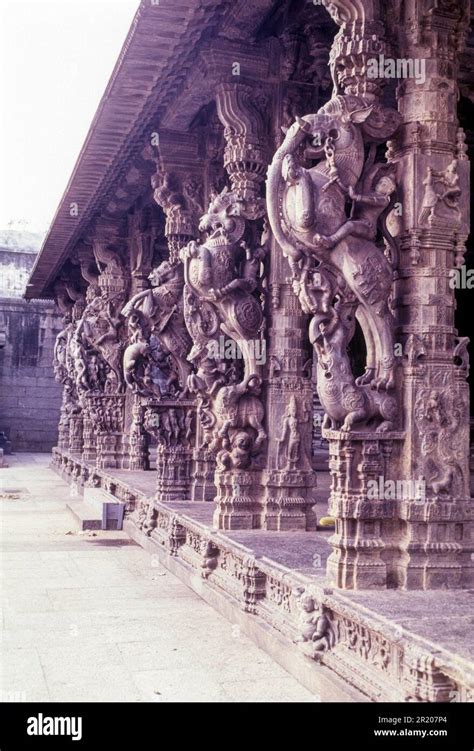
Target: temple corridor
x=91, y=616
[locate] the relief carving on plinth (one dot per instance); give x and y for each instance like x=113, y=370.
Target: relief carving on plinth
x=316, y=630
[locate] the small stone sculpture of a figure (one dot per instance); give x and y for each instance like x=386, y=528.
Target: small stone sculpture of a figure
x=188, y=426
x=174, y=427
x=447, y=192
x=430, y=197
x=450, y=180
x=291, y=435
x=314, y=626
x=368, y=207
x=239, y=456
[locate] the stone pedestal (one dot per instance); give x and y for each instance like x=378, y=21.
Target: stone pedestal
x=289, y=500
x=172, y=423
x=173, y=467
x=363, y=500
x=202, y=481
x=107, y=414
x=238, y=504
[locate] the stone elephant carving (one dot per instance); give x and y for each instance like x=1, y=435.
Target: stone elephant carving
x=239, y=407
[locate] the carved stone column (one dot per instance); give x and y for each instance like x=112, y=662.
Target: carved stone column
x=71, y=302
x=236, y=270
x=321, y=183
x=289, y=481
x=432, y=166
x=172, y=422
x=100, y=335
x=156, y=365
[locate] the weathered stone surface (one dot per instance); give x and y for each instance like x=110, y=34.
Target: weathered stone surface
x=259, y=325
x=29, y=397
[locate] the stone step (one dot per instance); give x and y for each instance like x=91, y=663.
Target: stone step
x=98, y=510
x=85, y=515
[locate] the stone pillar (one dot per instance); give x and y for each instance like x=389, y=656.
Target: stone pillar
x=138, y=457
x=172, y=423
x=239, y=408
x=366, y=530
x=103, y=331
x=156, y=356
x=322, y=180
x=289, y=481
x=145, y=229
x=432, y=166
x=71, y=303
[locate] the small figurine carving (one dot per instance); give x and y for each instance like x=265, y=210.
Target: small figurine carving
x=290, y=436
x=314, y=626
x=441, y=196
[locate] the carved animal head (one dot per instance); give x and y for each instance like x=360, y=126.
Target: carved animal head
x=342, y=120
x=224, y=221
x=242, y=441
x=338, y=125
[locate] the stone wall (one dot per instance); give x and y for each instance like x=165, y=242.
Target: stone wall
x=29, y=396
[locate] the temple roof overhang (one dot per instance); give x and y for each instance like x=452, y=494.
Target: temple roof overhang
x=157, y=57
x=172, y=58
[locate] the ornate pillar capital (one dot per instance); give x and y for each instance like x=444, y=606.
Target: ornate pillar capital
x=241, y=111
x=360, y=39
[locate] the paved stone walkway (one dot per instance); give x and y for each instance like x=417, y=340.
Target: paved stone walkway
x=93, y=617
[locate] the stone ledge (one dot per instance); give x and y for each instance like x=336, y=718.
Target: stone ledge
x=384, y=645
x=317, y=678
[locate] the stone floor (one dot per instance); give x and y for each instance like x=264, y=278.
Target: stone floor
x=93, y=617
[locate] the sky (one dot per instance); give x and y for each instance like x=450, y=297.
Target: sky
x=56, y=57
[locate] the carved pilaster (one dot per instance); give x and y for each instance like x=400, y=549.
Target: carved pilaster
x=138, y=440
x=432, y=166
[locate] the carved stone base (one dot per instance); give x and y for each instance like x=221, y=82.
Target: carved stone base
x=109, y=450
x=437, y=545
x=286, y=500
x=202, y=485
x=173, y=467
x=139, y=455
x=367, y=529
x=236, y=505
x=387, y=541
